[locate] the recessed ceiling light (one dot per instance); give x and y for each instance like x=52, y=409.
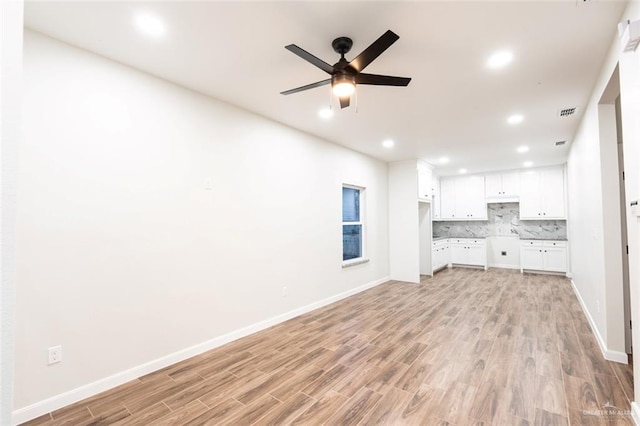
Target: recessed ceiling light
x=325, y=113
x=462, y=171
x=523, y=149
x=515, y=119
x=150, y=25
x=388, y=143
x=443, y=160
x=528, y=163
x=500, y=59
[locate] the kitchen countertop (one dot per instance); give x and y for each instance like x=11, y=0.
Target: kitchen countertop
x=436, y=238
x=543, y=239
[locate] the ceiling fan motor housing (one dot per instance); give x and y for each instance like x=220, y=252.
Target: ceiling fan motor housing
x=342, y=45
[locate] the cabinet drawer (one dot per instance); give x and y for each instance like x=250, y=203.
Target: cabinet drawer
x=530, y=243
x=468, y=241
x=554, y=243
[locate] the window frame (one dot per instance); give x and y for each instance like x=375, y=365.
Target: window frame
x=362, y=223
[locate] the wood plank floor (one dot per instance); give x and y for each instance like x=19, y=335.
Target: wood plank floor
x=466, y=347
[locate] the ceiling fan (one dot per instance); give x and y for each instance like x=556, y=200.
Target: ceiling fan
x=345, y=75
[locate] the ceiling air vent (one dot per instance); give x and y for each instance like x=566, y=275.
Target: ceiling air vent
x=567, y=112
x=560, y=143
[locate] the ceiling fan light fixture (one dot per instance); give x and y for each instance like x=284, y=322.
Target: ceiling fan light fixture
x=343, y=86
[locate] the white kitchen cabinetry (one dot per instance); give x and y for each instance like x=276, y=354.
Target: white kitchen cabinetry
x=542, y=194
x=447, y=198
x=500, y=187
x=543, y=255
x=441, y=254
x=468, y=251
x=463, y=198
x=424, y=181
x=435, y=200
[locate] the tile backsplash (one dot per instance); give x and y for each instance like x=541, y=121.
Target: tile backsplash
x=504, y=220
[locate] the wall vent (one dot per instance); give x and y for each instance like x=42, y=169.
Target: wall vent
x=560, y=143
x=566, y=112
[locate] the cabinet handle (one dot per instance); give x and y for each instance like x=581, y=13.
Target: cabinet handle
x=544, y=214
x=540, y=251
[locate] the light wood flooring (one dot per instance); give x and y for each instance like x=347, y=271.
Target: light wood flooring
x=466, y=347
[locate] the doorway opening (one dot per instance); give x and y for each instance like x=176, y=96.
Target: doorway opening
x=616, y=250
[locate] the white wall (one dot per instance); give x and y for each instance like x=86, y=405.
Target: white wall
x=153, y=219
x=495, y=247
x=10, y=84
x=404, y=235
x=587, y=203
x=425, y=237
x=630, y=109
x=611, y=227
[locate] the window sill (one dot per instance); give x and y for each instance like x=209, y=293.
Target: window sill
x=354, y=262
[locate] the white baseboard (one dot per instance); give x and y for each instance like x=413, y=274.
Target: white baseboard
x=503, y=266
x=608, y=354
x=62, y=400
x=635, y=413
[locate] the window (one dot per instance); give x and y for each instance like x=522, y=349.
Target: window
x=352, y=224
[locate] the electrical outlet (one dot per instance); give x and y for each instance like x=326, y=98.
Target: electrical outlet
x=284, y=292
x=55, y=354
x=503, y=253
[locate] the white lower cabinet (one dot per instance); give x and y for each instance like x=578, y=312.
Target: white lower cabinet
x=441, y=254
x=543, y=255
x=469, y=251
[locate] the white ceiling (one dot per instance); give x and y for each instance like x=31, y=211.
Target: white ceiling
x=454, y=106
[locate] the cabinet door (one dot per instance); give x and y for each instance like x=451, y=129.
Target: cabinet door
x=555, y=259
x=493, y=185
x=435, y=197
x=530, y=195
x=446, y=255
x=474, y=202
x=448, y=198
x=531, y=258
x=435, y=259
x=511, y=184
x=477, y=254
x=459, y=253
x=552, y=183
x=424, y=183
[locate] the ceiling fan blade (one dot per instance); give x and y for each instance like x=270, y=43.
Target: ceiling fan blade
x=307, y=87
x=374, y=50
x=310, y=58
x=382, y=80
x=344, y=102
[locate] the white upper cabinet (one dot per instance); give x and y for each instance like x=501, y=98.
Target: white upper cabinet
x=435, y=191
x=502, y=185
x=424, y=181
x=448, y=198
x=463, y=198
x=542, y=194
x=511, y=184
x=470, y=194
